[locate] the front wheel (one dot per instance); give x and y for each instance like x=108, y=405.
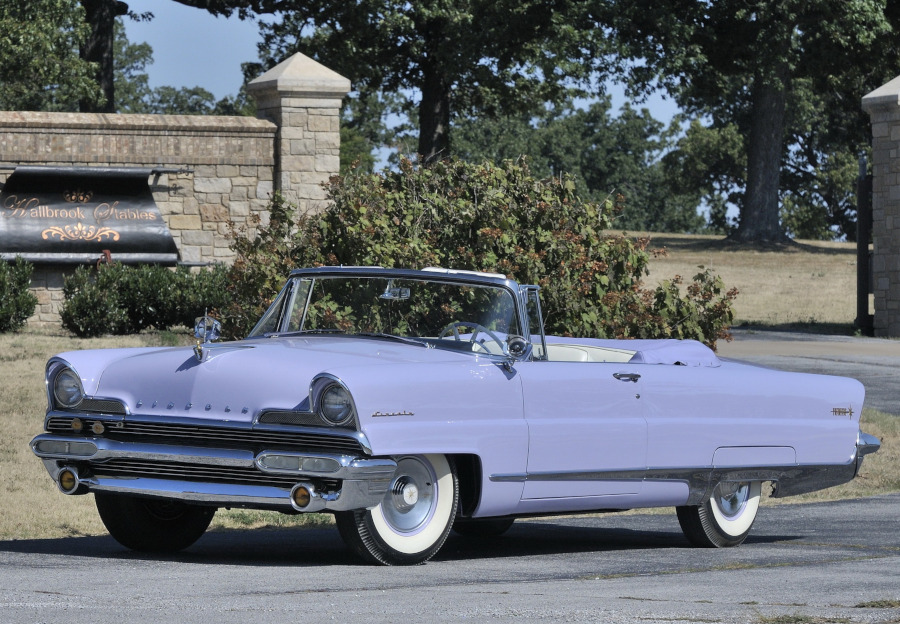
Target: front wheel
x=413, y=520
x=725, y=519
x=152, y=525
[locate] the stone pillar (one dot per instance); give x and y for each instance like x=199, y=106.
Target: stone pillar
x=302, y=98
x=883, y=107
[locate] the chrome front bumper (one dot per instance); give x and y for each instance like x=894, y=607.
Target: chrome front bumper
x=363, y=482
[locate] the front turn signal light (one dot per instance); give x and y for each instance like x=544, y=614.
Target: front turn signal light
x=68, y=481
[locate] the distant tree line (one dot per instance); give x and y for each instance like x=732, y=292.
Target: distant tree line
x=769, y=91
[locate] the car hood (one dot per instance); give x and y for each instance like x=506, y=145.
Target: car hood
x=234, y=381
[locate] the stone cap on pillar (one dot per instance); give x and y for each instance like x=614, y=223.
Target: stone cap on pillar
x=887, y=95
x=298, y=77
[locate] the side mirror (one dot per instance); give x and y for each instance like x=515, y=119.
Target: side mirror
x=516, y=345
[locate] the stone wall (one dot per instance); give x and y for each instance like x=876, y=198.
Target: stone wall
x=883, y=107
x=212, y=170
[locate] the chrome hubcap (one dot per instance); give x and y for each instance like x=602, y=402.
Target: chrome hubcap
x=410, y=501
x=731, y=498
x=405, y=494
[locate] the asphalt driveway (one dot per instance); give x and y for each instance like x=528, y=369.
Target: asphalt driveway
x=819, y=563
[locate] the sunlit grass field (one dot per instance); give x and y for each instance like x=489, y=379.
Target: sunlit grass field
x=808, y=284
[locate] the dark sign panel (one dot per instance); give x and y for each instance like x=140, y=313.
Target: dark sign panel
x=75, y=214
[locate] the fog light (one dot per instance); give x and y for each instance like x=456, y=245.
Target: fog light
x=98, y=428
x=77, y=425
x=301, y=497
x=68, y=481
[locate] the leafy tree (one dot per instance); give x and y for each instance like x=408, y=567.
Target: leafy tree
x=708, y=165
x=821, y=166
x=605, y=155
x=97, y=49
x=441, y=60
x=743, y=62
x=356, y=151
x=40, y=68
x=132, y=84
x=187, y=101
x=820, y=203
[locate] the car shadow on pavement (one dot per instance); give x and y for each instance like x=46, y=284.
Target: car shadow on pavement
x=318, y=547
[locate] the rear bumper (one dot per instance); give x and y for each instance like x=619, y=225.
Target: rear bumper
x=267, y=479
x=812, y=478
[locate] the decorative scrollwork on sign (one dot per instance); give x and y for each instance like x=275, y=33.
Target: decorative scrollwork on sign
x=80, y=232
x=78, y=196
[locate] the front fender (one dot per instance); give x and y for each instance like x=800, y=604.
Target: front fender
x=448, y=408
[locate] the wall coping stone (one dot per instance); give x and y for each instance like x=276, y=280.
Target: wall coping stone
x=160, y=123
x=885, y=95
x=300, y=75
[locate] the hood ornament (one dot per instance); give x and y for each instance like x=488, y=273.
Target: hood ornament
x=206, y=330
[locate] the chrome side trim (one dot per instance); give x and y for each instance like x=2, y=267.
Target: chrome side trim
x=509, y=478
x=790, y=480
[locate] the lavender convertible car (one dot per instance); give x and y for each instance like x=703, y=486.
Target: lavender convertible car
x=413, y=403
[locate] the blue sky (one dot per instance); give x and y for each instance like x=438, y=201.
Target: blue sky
x=192, y=48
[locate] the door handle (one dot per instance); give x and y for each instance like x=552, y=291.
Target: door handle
x=627, y=376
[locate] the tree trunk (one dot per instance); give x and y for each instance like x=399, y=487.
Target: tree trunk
x=434, y=116
x=101, y=15
x=759, y=222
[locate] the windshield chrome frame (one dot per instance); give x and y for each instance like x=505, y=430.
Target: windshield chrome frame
x=438, y=276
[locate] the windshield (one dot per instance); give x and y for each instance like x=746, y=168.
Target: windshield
x=465, y=317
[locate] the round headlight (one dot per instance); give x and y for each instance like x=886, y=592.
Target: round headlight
x=335, y=405
x=67, y=388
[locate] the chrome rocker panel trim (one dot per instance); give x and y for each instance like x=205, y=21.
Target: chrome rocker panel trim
x=789, y=480
x=364, y=481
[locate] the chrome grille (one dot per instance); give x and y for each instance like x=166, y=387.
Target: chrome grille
x=102, y=406
x=285, y=417
x=206, y=435
x=194, y=472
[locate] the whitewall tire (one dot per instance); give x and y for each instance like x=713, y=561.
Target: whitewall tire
x=413, y=520
x=725, y=519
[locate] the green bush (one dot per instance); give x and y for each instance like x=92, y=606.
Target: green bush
x=121, y=299
x=17, y=303
x=91, y=306
x=487, y=217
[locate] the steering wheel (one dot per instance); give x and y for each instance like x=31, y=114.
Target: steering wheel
x=479, y=329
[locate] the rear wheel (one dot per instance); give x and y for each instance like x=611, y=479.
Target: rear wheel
x=725, y=519
x=413, y=520
x=152, y=525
